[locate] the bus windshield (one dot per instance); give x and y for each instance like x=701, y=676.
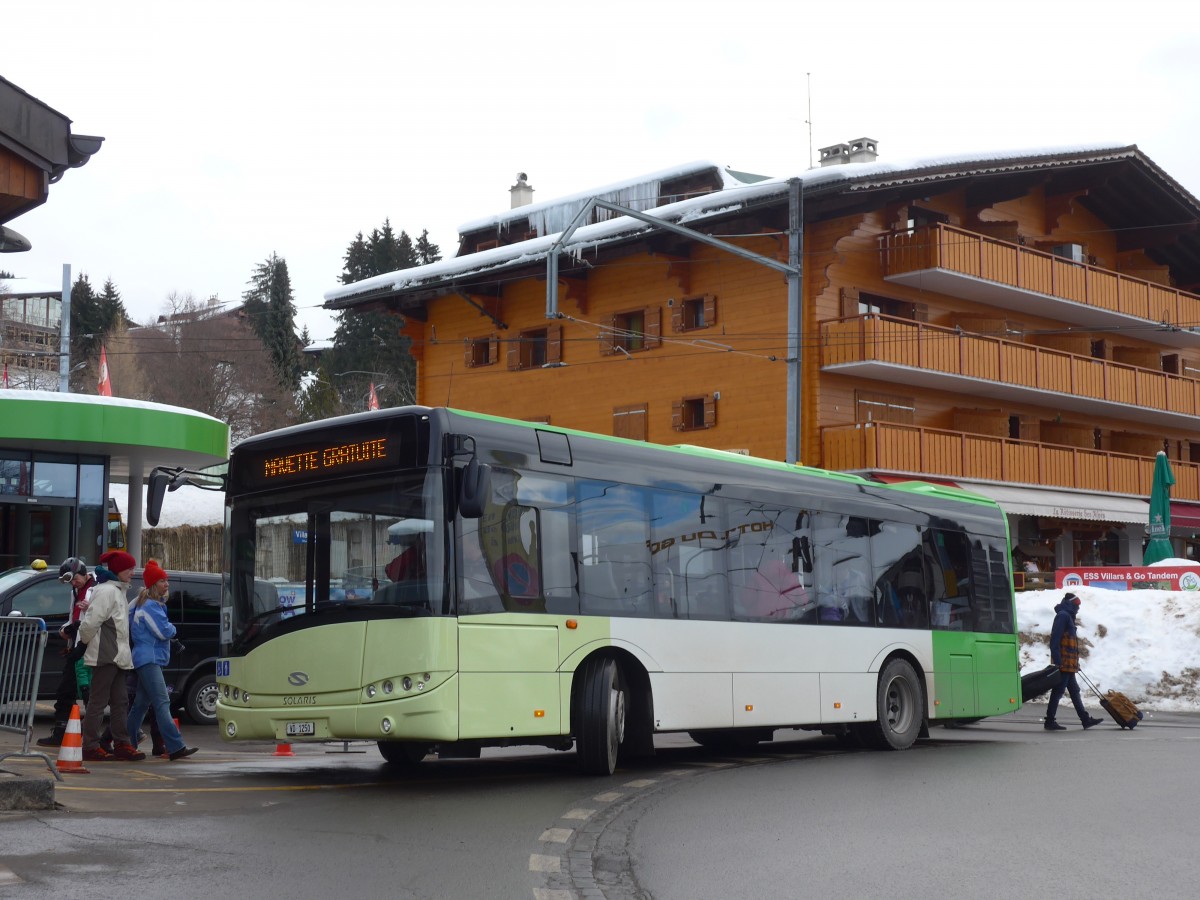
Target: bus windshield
x=337, y=551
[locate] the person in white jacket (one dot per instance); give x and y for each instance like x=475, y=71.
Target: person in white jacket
x=105, y=630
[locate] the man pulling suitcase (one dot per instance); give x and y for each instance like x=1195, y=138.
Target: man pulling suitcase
x=1064, y=653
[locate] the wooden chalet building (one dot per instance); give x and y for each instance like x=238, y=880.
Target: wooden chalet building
x=1025, y=326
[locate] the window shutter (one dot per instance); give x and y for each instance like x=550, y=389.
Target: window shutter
x=470, y=360
x=677, y=316
x=710, y=411
x=514, y=352
x=493, y=349
x=849, y=302
x=653, y=320
x=710, y=309
x=677, y=415
x=554, y=343
x=620, y=422
x=608, y=338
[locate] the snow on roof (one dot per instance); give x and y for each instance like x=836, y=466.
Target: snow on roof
x=737, y=195
x=28, y=287
x=94, y=400
x=638, y=193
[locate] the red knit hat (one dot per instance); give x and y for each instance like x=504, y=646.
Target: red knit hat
x=154, y=573
x=117, y=561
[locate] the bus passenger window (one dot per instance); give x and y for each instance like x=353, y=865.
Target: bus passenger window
x=767, y=571
x=842, y=552
x=687, y=554
x=899, y=575
x=949, y=558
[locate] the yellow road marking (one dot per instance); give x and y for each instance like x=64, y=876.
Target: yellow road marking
x=220, y=790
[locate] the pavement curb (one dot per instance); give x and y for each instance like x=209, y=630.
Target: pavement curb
x=20, y=792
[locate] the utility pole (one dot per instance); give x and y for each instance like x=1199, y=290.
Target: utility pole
x=64, y=334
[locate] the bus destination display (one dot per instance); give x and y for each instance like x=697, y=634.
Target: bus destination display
x=325, y=459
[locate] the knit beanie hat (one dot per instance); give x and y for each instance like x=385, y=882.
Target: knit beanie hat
x=1071, y=598
x=154, y=573
x=117, y=561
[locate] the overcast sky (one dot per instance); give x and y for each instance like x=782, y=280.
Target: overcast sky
x=234, y=129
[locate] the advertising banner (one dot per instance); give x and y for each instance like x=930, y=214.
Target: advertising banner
x=1128, y=578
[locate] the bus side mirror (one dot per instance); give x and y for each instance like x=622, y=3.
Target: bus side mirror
x=159, y=479
x=476, y=486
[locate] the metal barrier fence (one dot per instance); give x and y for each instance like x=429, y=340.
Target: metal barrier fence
x=22, y=646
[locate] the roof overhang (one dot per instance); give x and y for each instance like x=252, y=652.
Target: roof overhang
x=1119, y=179
x=136, y=436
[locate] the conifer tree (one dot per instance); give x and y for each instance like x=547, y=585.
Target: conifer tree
x=357, y=262
x=427, y=252
x=272, y=314
x=369, y=347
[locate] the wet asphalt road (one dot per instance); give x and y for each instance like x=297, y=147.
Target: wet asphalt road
x=999, y=809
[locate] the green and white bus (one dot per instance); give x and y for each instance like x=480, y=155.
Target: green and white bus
x=450, y=581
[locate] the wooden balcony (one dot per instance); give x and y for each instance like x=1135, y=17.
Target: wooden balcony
x=951, y=454
x=961, y=263
x=883, y=347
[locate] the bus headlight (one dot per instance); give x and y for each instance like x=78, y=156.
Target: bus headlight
x=245, y=697
x=386, y=726
x=406, y=683
x=388, y=687
x=231, y=729
x=371, y=690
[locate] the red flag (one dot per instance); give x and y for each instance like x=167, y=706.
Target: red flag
x=6, y=374
x=372, y=400
x=104, y=388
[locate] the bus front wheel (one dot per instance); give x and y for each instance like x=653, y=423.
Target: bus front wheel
x=403, y=754
x=599, y=712
x=900, y=705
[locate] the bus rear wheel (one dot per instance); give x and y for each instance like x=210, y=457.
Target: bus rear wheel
x=599, y=713
x=403, y=754
x=900, y=708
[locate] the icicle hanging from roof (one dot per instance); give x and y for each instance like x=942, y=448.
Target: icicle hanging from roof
x=553, y=219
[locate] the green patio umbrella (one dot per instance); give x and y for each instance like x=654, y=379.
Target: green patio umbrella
x=1159, y=532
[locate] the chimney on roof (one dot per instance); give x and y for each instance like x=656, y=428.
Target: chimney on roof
x=858, y=150
x=521, y=192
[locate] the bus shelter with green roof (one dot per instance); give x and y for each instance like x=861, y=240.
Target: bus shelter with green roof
x=58, y=454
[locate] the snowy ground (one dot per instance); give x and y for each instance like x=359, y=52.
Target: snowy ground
x=1143, y=643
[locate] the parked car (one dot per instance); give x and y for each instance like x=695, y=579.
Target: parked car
x=194, y=606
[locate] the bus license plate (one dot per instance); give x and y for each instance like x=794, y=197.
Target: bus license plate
x=299, y=729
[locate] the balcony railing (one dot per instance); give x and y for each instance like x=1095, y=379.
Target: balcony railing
x=953, y=454
x=969, y=253
x=878, y=338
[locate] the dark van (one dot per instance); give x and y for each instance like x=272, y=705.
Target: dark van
x=194, y=606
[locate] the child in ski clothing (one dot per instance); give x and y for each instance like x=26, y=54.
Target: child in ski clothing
x=1064, y=653
x=105, y=630
x=151, y=632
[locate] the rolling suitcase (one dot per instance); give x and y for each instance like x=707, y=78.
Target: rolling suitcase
x=1037, y=683
x=1123, y=710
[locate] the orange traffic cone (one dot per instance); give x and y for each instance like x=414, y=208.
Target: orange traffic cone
x=70, y=752
x=283, y=749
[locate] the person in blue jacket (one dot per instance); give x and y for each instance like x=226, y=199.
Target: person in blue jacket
x=1064, y=653
x=150, y=632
